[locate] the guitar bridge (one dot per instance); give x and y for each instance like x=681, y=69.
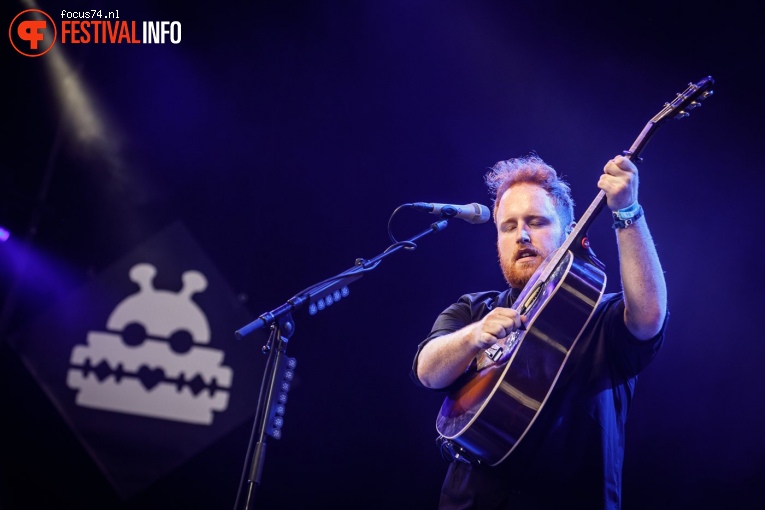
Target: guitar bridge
x=494, y=352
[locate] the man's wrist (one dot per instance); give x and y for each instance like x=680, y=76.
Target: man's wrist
x=625, y=217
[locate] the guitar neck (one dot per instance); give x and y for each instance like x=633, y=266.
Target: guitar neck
x=577, y=240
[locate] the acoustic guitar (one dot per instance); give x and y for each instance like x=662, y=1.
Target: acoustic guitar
x=486, y=417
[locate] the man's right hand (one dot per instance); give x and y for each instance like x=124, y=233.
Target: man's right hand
x=496, y=325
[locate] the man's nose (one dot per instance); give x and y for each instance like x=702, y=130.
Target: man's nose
x=523, y=236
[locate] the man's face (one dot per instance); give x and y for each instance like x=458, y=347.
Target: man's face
x=528, y=230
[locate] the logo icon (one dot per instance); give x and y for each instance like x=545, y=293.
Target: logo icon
x=152, y=359
x=32, y=33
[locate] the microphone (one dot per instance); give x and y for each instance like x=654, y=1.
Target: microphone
x=472, y=213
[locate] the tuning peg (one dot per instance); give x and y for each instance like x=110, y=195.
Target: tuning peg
x=706, y=94
x=693, y=105
x=681, y=115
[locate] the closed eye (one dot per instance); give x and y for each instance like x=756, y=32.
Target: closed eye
x=539, y=221
x=508, y=227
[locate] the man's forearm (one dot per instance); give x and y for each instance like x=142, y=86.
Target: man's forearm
x=645, y=291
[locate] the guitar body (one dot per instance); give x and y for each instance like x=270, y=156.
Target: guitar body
x=491, y=412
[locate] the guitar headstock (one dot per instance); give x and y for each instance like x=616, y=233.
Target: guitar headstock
x=678, y=109
x=687, y=100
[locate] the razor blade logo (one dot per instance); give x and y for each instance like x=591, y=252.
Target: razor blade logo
x=149, y=361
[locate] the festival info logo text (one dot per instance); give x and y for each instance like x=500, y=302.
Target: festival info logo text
x=33, y=32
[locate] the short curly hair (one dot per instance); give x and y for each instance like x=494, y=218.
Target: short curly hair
x=534, y=170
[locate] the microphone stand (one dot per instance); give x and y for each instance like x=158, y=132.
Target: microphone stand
x=278, y=371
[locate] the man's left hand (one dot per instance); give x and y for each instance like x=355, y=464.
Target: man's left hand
x=620, y=182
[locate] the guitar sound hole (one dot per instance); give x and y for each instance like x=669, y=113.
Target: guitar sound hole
x=531, y=299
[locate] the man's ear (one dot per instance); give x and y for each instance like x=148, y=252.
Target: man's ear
x=570, y=227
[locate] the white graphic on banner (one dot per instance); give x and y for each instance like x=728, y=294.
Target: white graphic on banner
x=151, y=360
